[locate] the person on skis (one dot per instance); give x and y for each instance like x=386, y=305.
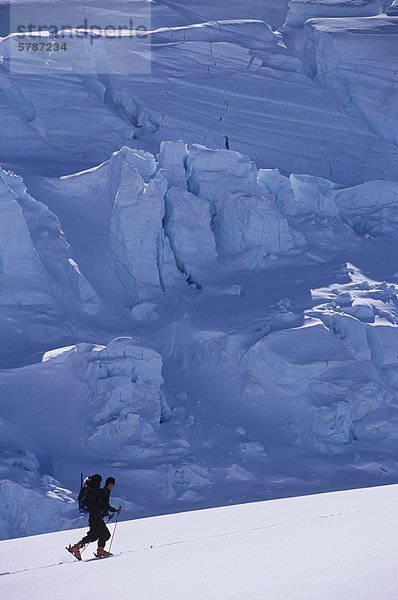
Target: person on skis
x=97, y=503
x=105, y=494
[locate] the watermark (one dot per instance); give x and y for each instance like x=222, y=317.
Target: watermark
x=78, y=39
x=86, y=29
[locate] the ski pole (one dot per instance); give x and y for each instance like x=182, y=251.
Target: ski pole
x=114, y=529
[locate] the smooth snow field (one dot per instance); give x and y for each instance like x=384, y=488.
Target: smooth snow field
x=199, y=294
x=341, y=545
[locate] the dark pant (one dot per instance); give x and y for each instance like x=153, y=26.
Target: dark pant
x=98, y=531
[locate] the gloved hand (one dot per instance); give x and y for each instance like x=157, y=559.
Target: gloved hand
x=119, y=510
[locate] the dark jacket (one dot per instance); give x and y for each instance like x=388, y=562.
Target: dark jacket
x=105, y=507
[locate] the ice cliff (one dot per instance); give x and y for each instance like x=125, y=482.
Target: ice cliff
x=355, y=59
x=36, y=261
x=301, y=10
x=220, y=84
x=167, y=223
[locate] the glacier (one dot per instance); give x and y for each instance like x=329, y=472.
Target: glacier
x=220, y=219
x=198, y=90
x=198, y=288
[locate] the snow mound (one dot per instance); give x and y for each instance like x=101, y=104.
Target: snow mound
x=30, y=501
x=32, y=510
x=106, y=401
x=335, y=386
x=124, y=395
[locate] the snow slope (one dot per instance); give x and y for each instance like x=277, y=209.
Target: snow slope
x=323, y=547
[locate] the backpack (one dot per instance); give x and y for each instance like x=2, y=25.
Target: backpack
x=88, y=497
x=82, y=499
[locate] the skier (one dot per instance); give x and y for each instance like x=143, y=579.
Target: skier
x=97, y=502
x=105, y=493
x=106, y=508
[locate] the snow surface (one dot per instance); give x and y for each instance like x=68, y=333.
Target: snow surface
x=327, y=546
x=302, y=10
x=198, y=285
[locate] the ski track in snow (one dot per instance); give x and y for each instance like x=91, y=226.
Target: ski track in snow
x=192, y=540
x=337, y=551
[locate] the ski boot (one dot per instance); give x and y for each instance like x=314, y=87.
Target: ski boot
x=75, y=550
x=102, y=553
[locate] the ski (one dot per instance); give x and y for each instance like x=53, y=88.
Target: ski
x=69, y=549
x=81, y=559
x=100, y=557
